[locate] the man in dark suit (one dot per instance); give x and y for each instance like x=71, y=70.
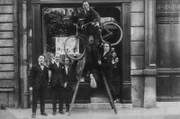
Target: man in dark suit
x=105, y=63
x=39, y=81
x=57, y=84
x=91, y=16
x=69, y=76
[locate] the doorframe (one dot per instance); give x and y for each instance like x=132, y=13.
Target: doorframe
x=35, y=25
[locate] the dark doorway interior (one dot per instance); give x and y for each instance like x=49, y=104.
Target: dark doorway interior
x=54, y=25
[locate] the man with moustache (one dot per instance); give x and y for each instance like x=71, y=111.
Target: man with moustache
x=38, y=85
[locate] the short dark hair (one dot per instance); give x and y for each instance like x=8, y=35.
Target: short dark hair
x=67, y=58
x=41, y=55
x=84, y=1
x=108, y=44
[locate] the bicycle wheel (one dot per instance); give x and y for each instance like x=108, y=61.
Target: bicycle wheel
x=111, y=32
x=74, y=47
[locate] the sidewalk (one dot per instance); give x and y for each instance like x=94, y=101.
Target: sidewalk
x=162, y=111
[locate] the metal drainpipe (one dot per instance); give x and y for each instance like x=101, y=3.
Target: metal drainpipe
x=24, y=68
x=16, y=55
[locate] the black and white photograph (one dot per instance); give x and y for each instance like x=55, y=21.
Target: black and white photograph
x=89, y=59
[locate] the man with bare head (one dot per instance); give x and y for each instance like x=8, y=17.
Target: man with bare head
x=57, y=84
x=38, y=85
x=91, y=17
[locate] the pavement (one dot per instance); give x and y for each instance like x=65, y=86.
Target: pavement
x=164, y=110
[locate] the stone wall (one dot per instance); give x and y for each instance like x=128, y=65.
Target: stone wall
x=143, y=53
x=137, y=51
x=7, y=53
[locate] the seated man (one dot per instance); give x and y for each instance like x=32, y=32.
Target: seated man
x=91, y=16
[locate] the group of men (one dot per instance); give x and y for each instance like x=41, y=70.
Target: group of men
x=62, y=77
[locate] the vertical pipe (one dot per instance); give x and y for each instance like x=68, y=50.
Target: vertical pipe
x=16, y=63
x=24, y=53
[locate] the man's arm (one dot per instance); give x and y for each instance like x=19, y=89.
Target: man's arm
x=108, y=63
x=47, y=74
x=95, y=14
x=32, y=75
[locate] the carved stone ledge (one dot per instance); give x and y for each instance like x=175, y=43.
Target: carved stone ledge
x=168, y=6
x=144, y=72
x=168, y=19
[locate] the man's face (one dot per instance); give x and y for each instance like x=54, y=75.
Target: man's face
x=91, y=39
x=114, y=54
x=91, y=76
x=67, y=61
x=116, y=60
x=112, y=49
x=86, y=5
x=57, y=58
x=106, y=47
x=41, y=59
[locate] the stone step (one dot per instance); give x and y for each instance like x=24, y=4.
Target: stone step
x=94, y=106
x=100, y=97
x=99, y=100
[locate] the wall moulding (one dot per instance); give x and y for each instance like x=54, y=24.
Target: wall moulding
x=168, y=19
x=168, y=6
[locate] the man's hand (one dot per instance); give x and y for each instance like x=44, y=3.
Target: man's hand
x=113, y=62
x=96, y=24
x=53, y=60
x=99, y=62
x=30, y=88
x=65, y=84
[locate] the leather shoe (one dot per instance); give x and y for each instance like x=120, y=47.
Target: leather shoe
x=44, y=113
x=54, y=113
x=33, y=115
x=62, y=112
x=67, y=110
x=116, y=101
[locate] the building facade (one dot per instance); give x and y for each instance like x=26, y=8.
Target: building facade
x=148, y=50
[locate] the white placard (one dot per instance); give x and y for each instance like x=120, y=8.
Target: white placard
x=60, y=41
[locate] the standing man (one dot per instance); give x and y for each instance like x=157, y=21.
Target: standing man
x=105, y=63
x=69, y=75
x=57, y=84
x=39, y=81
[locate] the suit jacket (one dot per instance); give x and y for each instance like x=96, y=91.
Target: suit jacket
x=39, y=77
x=71, y=76
x=90, y=15
x=56, y=74
x=106, y=65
